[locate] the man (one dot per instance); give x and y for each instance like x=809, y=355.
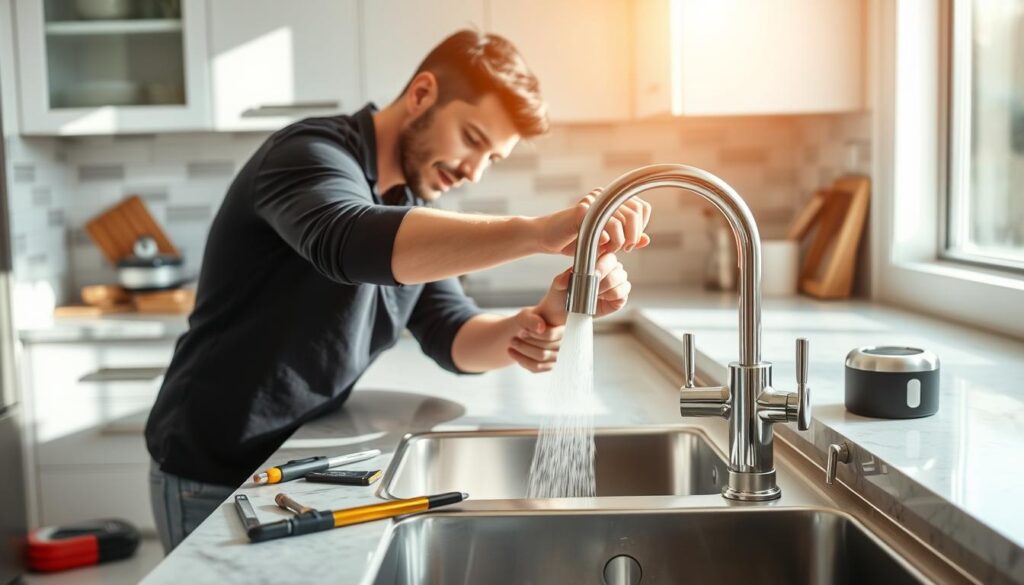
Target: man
x=322, y=253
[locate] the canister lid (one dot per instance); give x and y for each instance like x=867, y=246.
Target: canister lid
x=892, y=358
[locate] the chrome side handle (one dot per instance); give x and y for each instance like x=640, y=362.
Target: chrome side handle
x=837, y=453
x=689, y=360
x=699, y=400
x=803, y=391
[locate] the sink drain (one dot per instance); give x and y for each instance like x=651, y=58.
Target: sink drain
x=622, y=570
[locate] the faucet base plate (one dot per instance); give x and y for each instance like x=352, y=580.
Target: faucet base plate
x=751, y=487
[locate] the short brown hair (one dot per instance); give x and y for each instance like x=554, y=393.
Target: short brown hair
x=468, y=65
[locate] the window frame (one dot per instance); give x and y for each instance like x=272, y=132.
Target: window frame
x=956, y=25
x=907, y=93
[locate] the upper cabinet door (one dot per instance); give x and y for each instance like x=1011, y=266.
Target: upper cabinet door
x=698, y=57
x=274, y=62
x=112, y=67
x=581, y=51
x=398, y=34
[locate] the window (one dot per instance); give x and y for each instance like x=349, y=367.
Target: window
x=984, y=208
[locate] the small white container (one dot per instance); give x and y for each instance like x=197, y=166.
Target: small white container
x=780, y=267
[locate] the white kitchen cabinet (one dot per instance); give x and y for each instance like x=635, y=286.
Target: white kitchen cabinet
x=274, y=62
x=86, y=407
x=734, y=57
x=580, y=50
x=139, y=71
x=398, y=34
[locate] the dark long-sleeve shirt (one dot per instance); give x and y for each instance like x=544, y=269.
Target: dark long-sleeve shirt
x=295, y=300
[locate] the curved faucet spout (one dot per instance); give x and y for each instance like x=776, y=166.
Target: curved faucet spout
x=583, y=287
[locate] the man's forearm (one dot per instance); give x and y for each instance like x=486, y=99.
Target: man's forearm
x=482, y=343
x=432, y=244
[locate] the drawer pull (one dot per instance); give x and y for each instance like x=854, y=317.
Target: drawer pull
x=289, y=109
x=140, y=374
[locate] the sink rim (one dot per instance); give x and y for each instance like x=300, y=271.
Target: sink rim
x=389, y=536
x=384, y=491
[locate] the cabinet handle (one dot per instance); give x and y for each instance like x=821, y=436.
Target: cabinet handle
x=139, y=374
x=266, y=110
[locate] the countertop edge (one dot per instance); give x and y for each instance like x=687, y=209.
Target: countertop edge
x=978, y=548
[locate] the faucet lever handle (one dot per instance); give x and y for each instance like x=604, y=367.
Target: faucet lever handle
x=803, y=413
x=802, y=348
x=689, y=361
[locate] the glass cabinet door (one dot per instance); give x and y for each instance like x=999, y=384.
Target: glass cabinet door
x=110, y=66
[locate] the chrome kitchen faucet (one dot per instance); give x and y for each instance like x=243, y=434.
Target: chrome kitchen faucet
x=749, y=402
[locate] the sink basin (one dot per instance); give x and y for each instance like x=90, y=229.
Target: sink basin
x=495, y=465
x=729, y=545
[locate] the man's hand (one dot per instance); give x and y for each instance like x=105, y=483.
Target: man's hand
x=535, y=347
x=624, y=230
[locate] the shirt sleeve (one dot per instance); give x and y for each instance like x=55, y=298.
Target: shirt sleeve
x=442, y=309
x=313, y=193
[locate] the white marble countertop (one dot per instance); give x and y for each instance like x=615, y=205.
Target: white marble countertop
x=957, y=473
x=116, y=327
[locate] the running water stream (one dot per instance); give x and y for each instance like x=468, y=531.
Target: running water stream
x=563, y=461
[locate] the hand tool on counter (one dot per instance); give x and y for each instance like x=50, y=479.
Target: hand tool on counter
x=246, y=511
x=344, y=477
x=320, y=520
x=283, y=501
x=300, y=467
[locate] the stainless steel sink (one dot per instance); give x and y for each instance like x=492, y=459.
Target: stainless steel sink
x=730, y=545
x=494, y=465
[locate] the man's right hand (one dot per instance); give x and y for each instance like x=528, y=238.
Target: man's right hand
x=624, y=230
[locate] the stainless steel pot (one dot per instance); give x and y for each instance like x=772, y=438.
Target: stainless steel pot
x=147, y=270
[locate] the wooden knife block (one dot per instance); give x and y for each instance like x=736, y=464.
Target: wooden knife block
x=837, y=216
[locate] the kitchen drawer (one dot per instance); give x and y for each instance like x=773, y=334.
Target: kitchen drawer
x=80, y=386
x=117, y=441
x=73, y=493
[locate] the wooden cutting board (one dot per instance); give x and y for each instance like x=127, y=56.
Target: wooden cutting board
x=176, y=301
x=72, y=311
x=115, y=230
x=104, y=295
x=836, y=216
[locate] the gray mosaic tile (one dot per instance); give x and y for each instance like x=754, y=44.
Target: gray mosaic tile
x=703, y=134
x=42, y=196
x=811, y=154
x=826, y=175
x=113, y=172
x=19, y=244
x=149, y=193
x=518, y=162
x=55, y=217
x=79, y=237
x=781, y=177
x=624, y=161
x=212, y=169
x=24, y=173
x=743, y=155
x=663, y=240
x=186, y=213
x=558, y=183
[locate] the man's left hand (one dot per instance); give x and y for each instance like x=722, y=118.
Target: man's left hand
x=535, y=347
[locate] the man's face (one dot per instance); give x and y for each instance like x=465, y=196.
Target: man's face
x=447, y=145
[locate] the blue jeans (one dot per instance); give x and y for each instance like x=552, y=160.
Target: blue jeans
x=180, y=505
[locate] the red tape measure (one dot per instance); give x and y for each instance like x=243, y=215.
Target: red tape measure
x=57, y=548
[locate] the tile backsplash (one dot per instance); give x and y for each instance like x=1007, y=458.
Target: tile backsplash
x=775, y=163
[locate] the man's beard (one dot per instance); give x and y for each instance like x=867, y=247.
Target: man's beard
x=414, y=153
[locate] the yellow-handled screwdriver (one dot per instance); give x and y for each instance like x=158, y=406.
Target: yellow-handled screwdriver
x=319, y=520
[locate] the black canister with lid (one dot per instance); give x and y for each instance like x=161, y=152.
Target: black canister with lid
x=892, y=382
